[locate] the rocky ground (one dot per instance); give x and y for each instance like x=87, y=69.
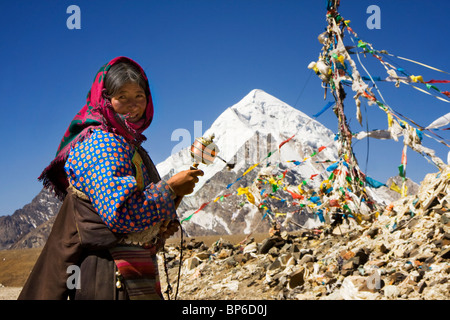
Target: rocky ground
x=403, y=254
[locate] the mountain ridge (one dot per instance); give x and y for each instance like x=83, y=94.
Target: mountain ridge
x=42, y=208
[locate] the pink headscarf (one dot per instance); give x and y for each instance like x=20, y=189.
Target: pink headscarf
x=96, y=114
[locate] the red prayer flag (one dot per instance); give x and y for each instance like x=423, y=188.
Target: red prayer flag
x=202, y=207
x=334, y=203
x=285, y=141
x=295, y=195
x=438, y=81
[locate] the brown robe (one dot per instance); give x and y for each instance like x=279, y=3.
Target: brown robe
x=78, y=237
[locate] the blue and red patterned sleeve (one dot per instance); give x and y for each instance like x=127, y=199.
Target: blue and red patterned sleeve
x=102, y=168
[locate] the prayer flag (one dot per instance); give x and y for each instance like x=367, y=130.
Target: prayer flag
x=332, y=167
x=250, y=169
x=327, y=106
x=395, y=188
x=374, y=183
x=285, y=141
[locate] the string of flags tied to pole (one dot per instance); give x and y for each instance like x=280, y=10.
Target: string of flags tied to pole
x=343, y=193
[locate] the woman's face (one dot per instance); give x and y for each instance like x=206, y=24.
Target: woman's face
x=130, y=100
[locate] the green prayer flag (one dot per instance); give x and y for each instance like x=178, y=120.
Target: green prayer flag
x=187, y=219
x=347, y=208
x=429, y=86
x=361, y=44
x=401, y=170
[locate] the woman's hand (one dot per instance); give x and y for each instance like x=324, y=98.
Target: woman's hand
x=168, y=228
x=183, y=183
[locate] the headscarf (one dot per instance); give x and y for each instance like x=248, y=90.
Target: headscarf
x=96, y=114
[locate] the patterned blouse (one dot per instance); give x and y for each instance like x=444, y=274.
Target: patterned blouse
x=104, y=167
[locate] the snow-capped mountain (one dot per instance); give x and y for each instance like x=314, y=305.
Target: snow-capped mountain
x=245, y=134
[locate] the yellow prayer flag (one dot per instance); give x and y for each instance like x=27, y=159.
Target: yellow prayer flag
x=241, y=190
x=395, y=188
x=390, y=120
x=250, y=198
x=404, y=190
x=417, y=79
x=251, y=168
x=249, y=195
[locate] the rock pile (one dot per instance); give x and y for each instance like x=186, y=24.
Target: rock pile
x=403, y=254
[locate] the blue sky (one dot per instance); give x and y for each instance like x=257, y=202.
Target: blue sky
x=201, y=56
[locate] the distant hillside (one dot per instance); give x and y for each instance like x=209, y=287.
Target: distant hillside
x=41, y=209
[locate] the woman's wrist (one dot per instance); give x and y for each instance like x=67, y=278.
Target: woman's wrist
x=173, y=194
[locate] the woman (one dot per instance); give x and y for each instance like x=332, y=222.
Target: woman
x=117, y=212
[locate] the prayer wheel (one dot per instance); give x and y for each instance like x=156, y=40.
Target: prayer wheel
x=203, y=150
